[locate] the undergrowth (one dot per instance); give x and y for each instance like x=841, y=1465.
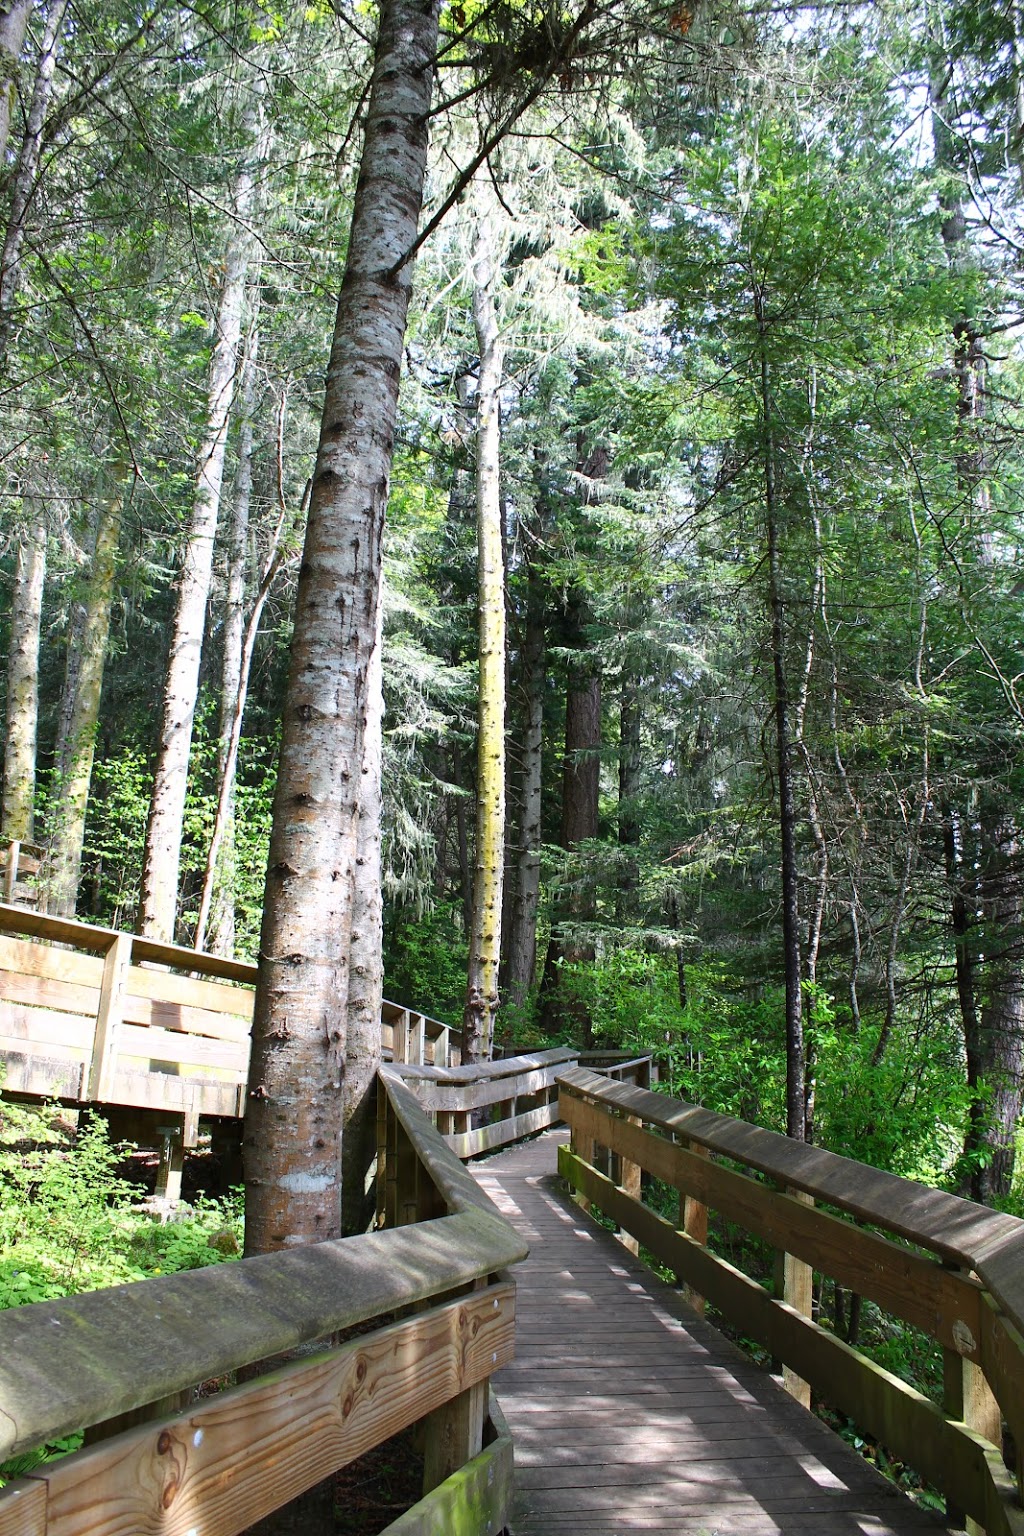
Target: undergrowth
x=69, y=1222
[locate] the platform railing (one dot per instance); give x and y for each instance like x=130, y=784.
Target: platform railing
x=436, y=1283
x=491, y=1104
x=944, y=1265
x=90, y=1015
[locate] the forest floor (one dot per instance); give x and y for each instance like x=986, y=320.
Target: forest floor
x=380, y=1486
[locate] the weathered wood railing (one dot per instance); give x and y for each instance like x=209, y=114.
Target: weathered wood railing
x=19, y=865
x=962, y=1281
x=229, y=1459
x=508, y=1099
x=621, y=1066
x=92, y=1016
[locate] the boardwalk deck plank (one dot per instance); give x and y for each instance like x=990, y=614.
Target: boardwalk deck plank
x=631, y=1413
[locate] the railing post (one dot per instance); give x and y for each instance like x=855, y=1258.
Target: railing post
x=172, y=1163
x=108, y=1016
x=383, y=1158
x=630, y=1182
x=585, y=1148
x=798, y=1293
x=693, y=1220
x=400, y=1038
x=454, y=1433
x=11, y=871
x=966, y=1395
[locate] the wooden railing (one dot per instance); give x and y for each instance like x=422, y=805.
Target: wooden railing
x=89, y=1015
x=621, y=1066
x=507, y=1099
x=961, y=1281
x=109, y=1357
x=20, y=863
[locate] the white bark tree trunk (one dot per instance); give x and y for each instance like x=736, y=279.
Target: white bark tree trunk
x=28, y=167
x=293, y=1126
x=66, y=832
x=218, y=898
x=17, y=806
x=13, y=22
x=162, y=854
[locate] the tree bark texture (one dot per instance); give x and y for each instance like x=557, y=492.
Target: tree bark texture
x=485, y=930
x=25, y=176
x=17, y=808
x=162, y=853
x=294, y=1117
x=13, y=22
x=366, y=980
x=66, y=833
x=522, y=937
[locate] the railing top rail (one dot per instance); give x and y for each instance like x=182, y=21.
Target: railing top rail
x=510, y=1066
x=457, y=1188
x=391, y=1012
x=85, y=1359
x=67, y=930
x=957, y=1230
x=28, y=923
x=611, y=1061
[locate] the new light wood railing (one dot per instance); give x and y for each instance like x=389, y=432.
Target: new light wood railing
x=230, y=1459
x=944, y=1265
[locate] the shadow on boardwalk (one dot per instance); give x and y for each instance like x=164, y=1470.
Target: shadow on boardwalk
x=630, y=1413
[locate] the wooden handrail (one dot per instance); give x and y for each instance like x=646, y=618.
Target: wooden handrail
x=965, y=1289
x=92, y=1015
x=490, y=1104
x=956, y=1230
x=67, y=930
x=88, y=1359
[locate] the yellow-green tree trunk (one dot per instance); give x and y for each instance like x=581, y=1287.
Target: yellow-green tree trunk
x=485, y=936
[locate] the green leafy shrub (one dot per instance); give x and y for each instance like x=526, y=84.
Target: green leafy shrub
x=63, y=1207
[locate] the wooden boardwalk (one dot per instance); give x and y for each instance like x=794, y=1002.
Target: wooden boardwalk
x=630, y=1413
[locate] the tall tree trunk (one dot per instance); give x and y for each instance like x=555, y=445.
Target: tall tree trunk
x=796, y=1126
x=996, y=1046
x=218, y=895
x=630, y=765
x=25, y=176
x=366, y=981
x=990, y=981
x=296, y=1095
x=17, y=807
x=522, y=938
x=13, y=22
x=558, y=1006
x=222, y=825
x=162, y=854
x=66, y=833
x=485, y=930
